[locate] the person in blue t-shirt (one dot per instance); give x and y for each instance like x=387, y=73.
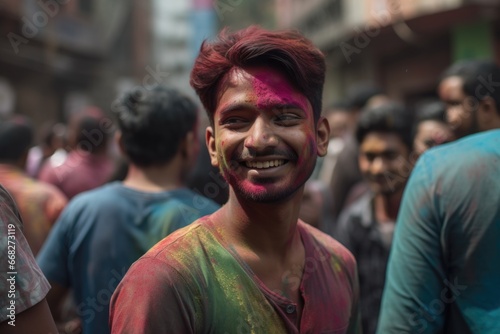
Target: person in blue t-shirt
x=103, y=231
x=443, y=270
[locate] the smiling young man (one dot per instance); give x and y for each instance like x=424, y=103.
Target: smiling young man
x=252, y=266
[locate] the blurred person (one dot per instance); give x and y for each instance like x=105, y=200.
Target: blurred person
x=205, y=178
x=103, y=231
x=340, y=122
x=243, y=268
x=314, y=208
x=50, y=147
x=443, y=271
x=40, y=204
x=23, y=304
x=430, y=127
x=346, y=171
x=367, y=225
x=88, y=164
x=470, y=90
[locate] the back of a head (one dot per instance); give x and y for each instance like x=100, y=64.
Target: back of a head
x=480, y=78
x=153, y=123
x=359, y=95
x=390, y=117
x=431, y=111
x=16, y=137
x=85, y=131
x=287, y=51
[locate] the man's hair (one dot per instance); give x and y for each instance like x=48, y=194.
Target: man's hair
x=477, y=76
x=429, y=110
x=390, y=117
x=153, y=124
x=359, y=95
x=288, y=51
x=83, y=126
x=16, y=138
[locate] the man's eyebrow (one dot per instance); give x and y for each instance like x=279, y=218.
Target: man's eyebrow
x=236, y=106
x=248, y=106
x=286, y=106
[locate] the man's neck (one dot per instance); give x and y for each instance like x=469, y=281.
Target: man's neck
x=267, y=228
x=154, y=179
x=266, y=237
x=386, y=206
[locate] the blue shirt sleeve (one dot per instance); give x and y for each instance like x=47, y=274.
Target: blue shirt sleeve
x=415, y=297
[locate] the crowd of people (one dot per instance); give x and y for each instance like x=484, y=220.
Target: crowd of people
x=364, y=216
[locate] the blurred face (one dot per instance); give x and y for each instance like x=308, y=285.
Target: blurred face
x=431, y=133
x=340, y=124
x=383, y=161
x=460, y=109
x=264, y=139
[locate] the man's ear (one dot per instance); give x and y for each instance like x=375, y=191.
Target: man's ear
x=322, y=136
x=487, y=114
x=190, y=147
x=211, y=146
x=119, y=142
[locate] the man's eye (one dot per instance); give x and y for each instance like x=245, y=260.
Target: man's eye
x=430, y=143
x=392, y=155
x=234, y=120
x=370, y=156
x=287, y=119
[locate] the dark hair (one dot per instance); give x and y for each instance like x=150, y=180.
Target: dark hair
x=476, y=76
x=288, y=51
x=16, y=138
x=429, y=110
x=153, y=123
x=389, y=117
x=359, y=94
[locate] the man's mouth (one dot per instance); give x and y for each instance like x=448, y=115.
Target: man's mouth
x=264, y=164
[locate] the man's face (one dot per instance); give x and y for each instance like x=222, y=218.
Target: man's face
x=431, y=133
x=383, y=161
x=460, y=109
x=340, y=124
x=264, y=139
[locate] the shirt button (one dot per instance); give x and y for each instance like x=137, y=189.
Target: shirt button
x=290, y=308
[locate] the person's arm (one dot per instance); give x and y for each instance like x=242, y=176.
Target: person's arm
x=152, y=298
x=25, y=309
x=35, y=320
x=415, y=298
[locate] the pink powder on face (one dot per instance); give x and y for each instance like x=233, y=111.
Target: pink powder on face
x=272, y=89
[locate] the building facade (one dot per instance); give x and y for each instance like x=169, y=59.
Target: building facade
x=401, y=45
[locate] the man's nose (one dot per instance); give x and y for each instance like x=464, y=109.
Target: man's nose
x=261, y=135
x=378, y=166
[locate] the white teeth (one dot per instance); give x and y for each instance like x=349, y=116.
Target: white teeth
x=264, y=164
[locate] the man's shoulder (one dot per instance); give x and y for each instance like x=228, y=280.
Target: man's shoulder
x=181, y=243
x=471, y=155
x=464, y=149
x=324, y=242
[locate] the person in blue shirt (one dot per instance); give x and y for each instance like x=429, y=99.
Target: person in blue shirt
x=443, y=270
x=103, y=231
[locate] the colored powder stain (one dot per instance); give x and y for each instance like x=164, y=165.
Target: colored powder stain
x=253, y=189
x=308, y=151
x=271, y=89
